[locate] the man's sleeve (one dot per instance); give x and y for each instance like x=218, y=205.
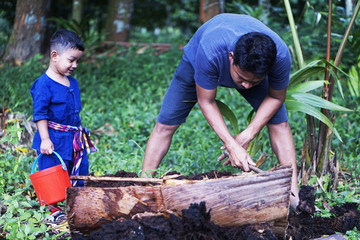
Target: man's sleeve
x=279, y=76
x=206, y=73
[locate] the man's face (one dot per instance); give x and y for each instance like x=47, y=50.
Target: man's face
x=243, y=79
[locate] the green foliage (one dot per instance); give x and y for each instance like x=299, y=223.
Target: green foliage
x=242, y=8
x=23, y=217
x=354, y=80
x=16, y=82
x=22, y=220
x=86, y=29
x=5, y=32
x=353, y=234
x=229, y=115
x=178, y=14
x=298, y=97
x=325, y=199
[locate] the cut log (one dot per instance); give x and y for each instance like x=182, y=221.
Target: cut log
x=234, y=201
x=88, y=208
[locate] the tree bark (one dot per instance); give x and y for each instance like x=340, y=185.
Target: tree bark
x=28, y=31
x=210, y=8
x=77, y=10
x=119, y=16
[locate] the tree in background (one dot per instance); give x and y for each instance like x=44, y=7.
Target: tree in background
x=118, y=20
x=210, y=8
x=28, y=30
x=77, y=9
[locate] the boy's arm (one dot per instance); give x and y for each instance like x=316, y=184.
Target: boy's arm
x=238, y=155
x=47, y=145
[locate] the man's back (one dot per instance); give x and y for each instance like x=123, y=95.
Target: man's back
x=208, y=50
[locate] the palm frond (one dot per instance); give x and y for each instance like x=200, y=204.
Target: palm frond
x=294, y=105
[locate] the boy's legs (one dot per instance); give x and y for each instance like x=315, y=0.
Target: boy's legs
x=179, y=99
x=47, y=161
x=84, y=168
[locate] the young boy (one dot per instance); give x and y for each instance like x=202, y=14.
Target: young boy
x=57, y=105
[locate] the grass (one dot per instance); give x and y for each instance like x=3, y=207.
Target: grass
x=121, y=97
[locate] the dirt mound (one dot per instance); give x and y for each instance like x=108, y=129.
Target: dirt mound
x=306, y=226
x=195, y=224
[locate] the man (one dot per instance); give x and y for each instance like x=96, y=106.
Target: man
x=235, y=51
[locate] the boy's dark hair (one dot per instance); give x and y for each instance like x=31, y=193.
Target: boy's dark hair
x=64, y=39
x=255, y=52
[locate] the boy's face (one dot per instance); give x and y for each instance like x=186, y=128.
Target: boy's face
x=66, y=61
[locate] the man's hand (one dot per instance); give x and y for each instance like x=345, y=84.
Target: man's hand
x=243, y=139
x=238, y=157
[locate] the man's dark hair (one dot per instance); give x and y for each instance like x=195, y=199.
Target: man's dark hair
x=255, y=52
x=64, y=39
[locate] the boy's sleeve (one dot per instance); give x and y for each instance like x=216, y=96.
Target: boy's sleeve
x=41, y=99
x=206, y=74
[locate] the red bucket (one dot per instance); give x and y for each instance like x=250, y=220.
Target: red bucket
x=50, y=184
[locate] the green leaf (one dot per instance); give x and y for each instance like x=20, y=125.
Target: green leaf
x=353, y=82
x=293, y=105
x=229, y=115
x=27, y=229
x=316, y=101
x=25, y=204
x=24, y=216
x=20, y=235
x=310, y=70
x=307, y=86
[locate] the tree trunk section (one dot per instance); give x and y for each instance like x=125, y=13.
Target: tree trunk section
x=77, y=10
x=209, y=9
x=88, y=208
x=118, y=24
x=28, y=31
x=234, y=201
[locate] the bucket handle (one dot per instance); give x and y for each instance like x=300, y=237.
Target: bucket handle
x=61, y=160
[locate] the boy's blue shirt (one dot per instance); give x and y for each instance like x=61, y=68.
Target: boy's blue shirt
x=209, y=48
x=58, y=103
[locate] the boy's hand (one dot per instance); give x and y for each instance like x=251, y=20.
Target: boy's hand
x=47, y=146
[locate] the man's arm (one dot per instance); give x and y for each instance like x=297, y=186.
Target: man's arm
x=238, y=155
x=267, y=109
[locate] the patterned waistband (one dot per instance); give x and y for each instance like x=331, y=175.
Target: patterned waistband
x=81, y=142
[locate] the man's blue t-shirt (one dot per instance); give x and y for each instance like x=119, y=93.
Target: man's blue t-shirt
x=209, y=48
